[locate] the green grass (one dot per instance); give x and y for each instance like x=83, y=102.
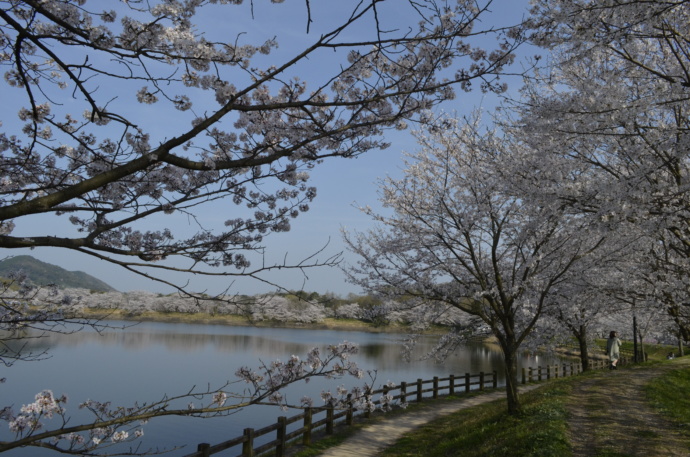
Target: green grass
x=320, y=443
x=318, y=447
x=657, y=352
x=669, y=394
x=611, y=454
x=488, y=430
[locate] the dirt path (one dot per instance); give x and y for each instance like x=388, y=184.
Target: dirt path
x=631, y=427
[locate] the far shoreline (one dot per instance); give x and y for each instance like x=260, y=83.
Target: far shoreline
x=329, y=323
x=351, y=325
x=240, y=321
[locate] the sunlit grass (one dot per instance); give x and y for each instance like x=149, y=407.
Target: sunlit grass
x=658, y=352
x=655, y=352
x=669, y=394
x=488, y=430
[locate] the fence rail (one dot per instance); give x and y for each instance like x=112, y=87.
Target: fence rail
x=452, y=384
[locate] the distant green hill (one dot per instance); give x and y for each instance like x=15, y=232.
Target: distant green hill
x=43, y=274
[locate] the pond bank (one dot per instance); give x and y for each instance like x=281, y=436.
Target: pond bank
x=240, y=321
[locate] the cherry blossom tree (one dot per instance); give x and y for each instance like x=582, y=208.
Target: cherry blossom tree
x=119, y=124
x=590, y=304
x=458, y=233
x=575, y=313
x=280, y=309
x=612, y=102
x=666, y=285
x=132, y=119
x=349, y=311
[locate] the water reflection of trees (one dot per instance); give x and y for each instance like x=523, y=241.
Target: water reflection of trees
x=174, y=340
x=384, y=354
x=177, y=339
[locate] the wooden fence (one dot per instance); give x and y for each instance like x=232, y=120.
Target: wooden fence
x=453, y=385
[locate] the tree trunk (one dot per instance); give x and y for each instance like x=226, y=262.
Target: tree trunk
x=510, y=361
x=641, y=357
x=581, y=336
x=681, y=351
x=636, y=350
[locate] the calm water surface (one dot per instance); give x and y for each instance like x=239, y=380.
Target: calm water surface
x=148, y=360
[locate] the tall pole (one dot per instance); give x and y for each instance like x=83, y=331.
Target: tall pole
x=635, y=357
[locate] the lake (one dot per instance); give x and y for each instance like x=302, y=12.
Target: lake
x=146, y=361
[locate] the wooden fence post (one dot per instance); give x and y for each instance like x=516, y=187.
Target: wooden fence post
x=204, y=448
x=530, y=374
x=539, y=373
x=349, y=417
x=467, y=382
x=495, y=380
x=248, y=445
x=419, y=390
x=350, y=414
x=280, y=436
x=481, y=380
x=329, y=420
x=435, y=392
x=306, y=436
x=548, y=372
x=451, y=385
x=403, y=391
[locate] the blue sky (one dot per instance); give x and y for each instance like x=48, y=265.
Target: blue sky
x=343, y=184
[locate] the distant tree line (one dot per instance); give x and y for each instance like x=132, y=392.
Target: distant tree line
x=280, y=306
x=303, y=307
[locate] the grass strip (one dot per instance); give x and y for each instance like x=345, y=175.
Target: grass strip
x=487, y=430
x=669, y=394
x=318, y=447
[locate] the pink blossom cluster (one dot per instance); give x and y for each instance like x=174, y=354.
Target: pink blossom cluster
x=30, y=416
x=272, y=377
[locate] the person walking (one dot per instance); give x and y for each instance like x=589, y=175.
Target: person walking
x=613, y=349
